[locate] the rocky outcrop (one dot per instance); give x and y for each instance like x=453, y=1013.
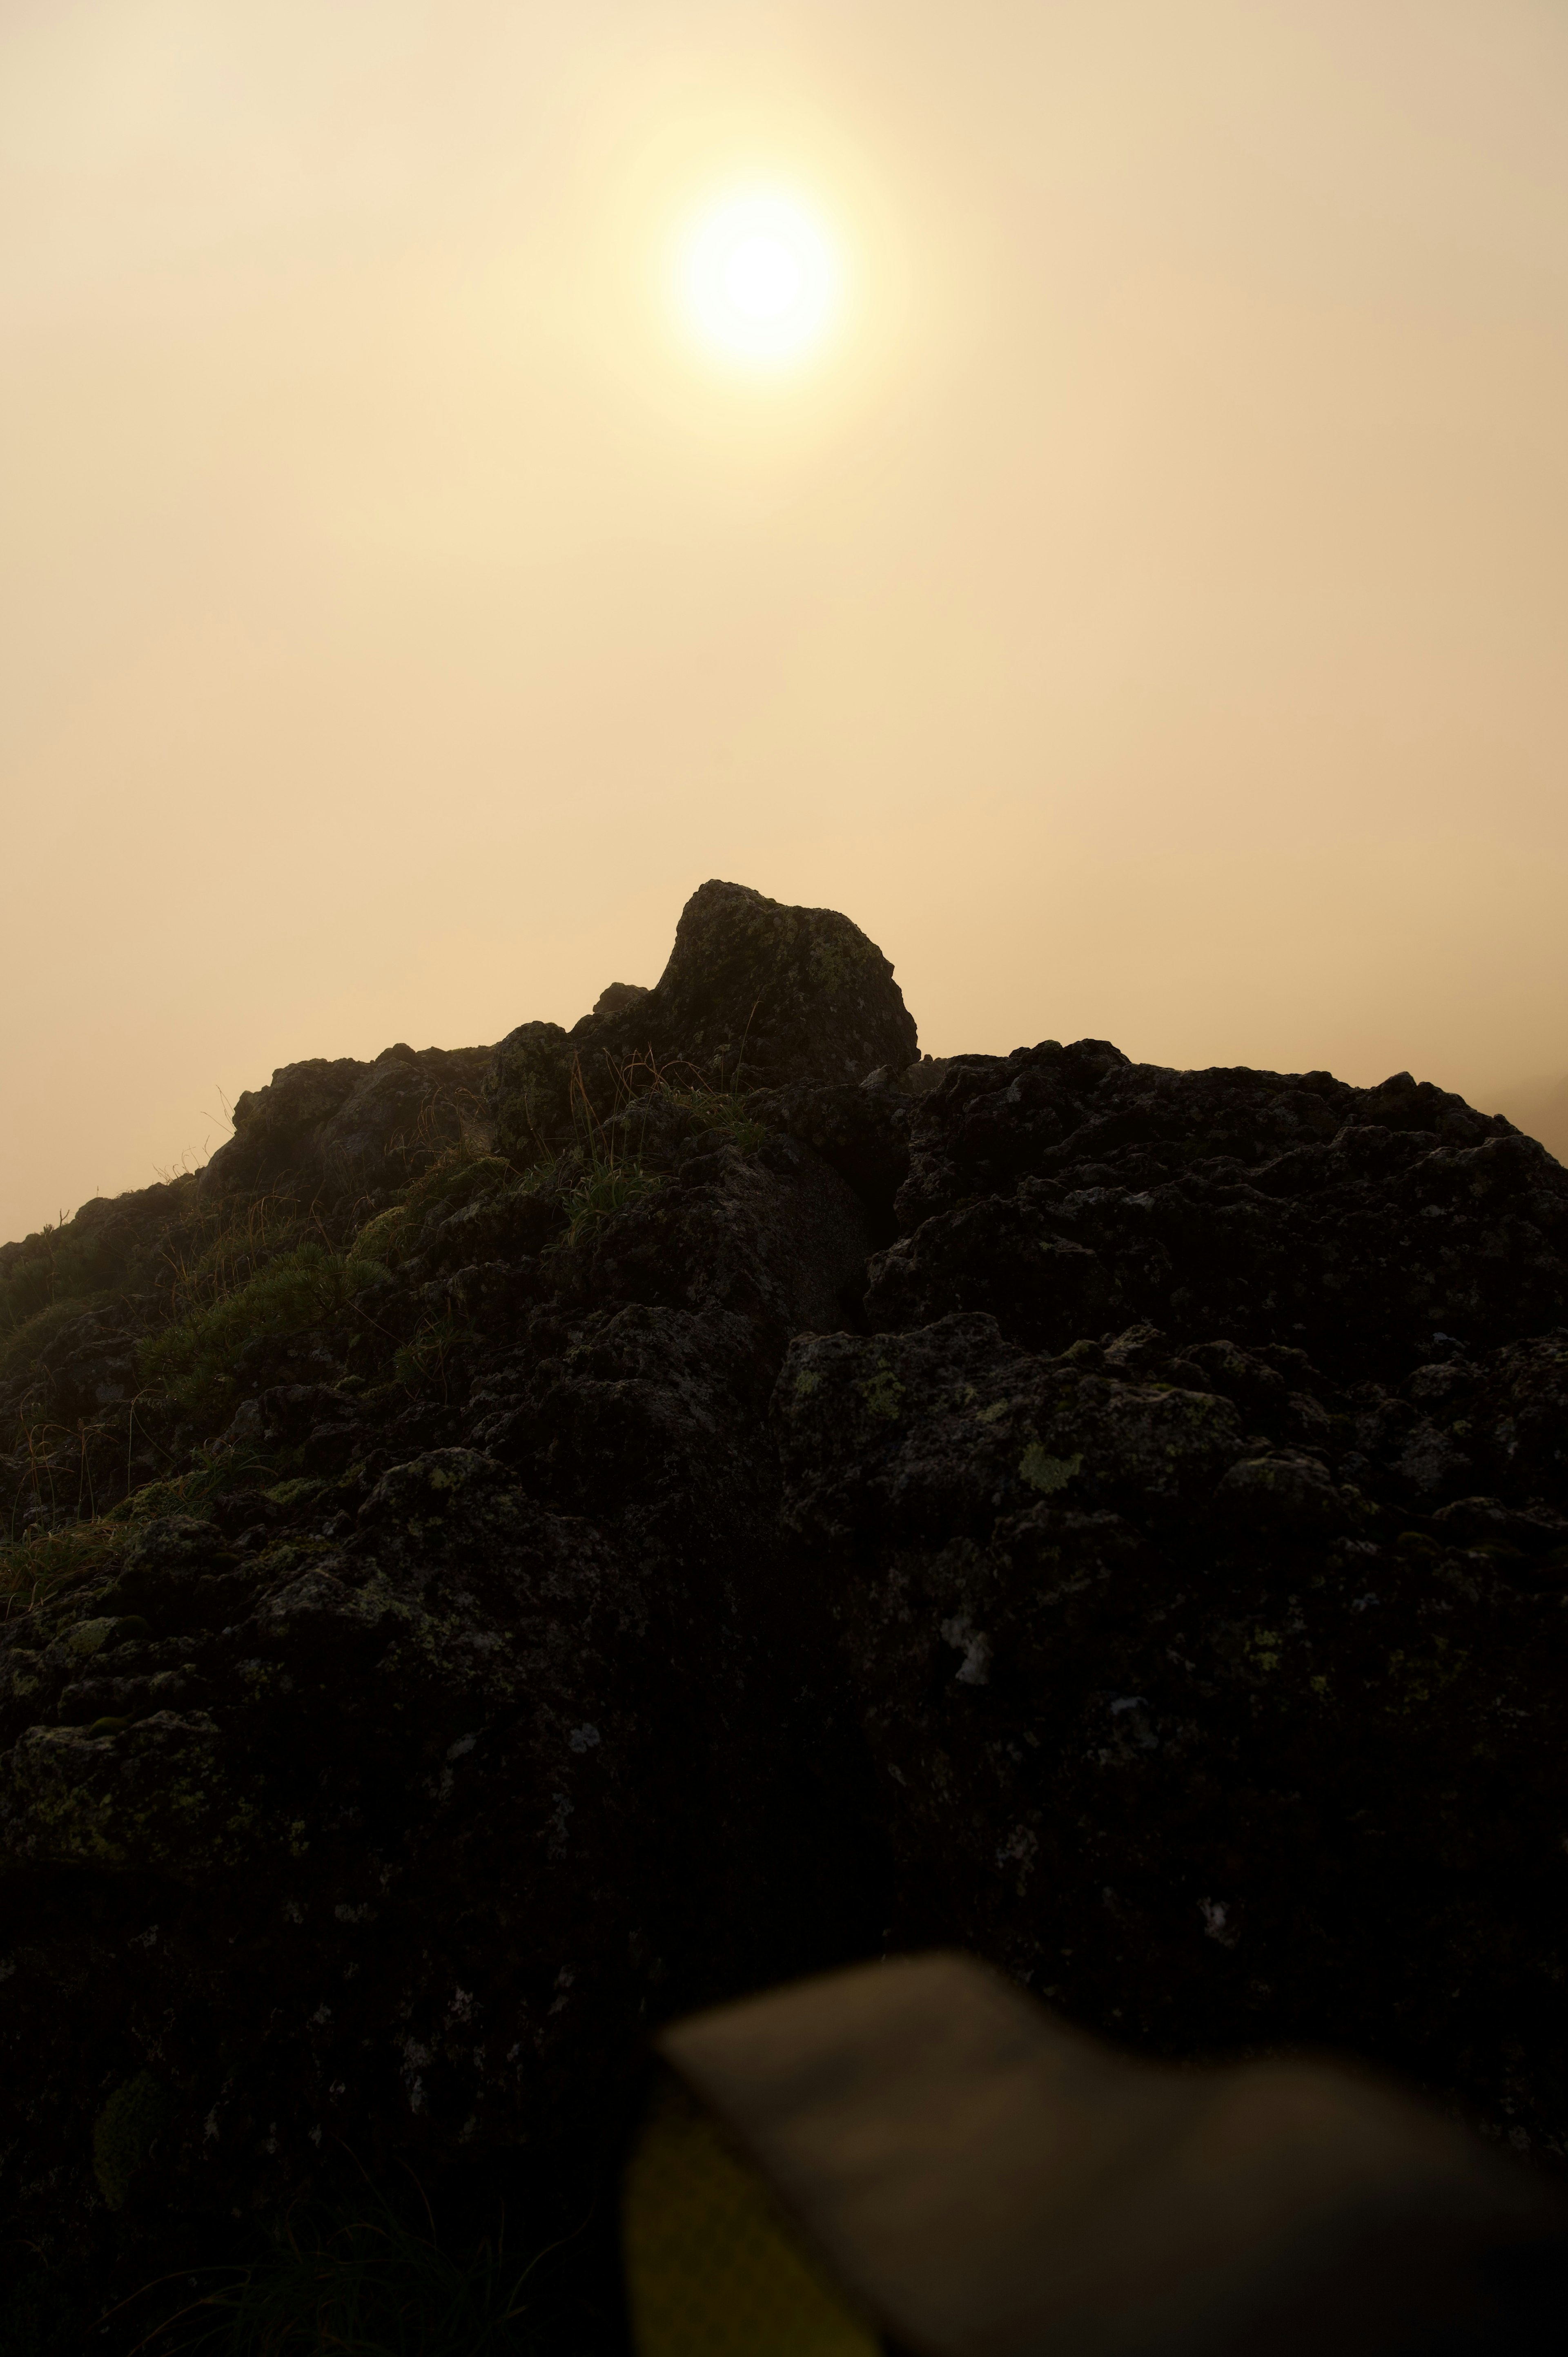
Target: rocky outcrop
x=1066, y=1190
x=755, y=994
x=807, y=1502
x=339, y=1129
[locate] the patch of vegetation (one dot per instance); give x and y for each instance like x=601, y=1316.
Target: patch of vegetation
x=610, y=1152
x=193, y=1359
x=78, y=1263
x=421, y=1364
x=21, y=1345
x=212, y=1279
x=303, y=1490
x=718, y=1109
x=54, y=1468
x=368, y=2285
x=646, y=1084
x=191, y=1491
x=44, y=1563
x=214, y=1252
x=606, y=1186
x=463, y=1175
x=380, y=1239
x=125, y=2133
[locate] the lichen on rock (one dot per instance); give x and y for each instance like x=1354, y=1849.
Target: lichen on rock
x=125, y=2134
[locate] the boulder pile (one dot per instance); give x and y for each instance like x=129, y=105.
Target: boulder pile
x=533, y=1540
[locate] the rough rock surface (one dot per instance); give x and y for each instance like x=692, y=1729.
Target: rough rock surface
x=1110, y=1518
x=753, y=992
x=337, y=1127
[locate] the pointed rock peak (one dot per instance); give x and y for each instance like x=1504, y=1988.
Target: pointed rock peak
x=774, y=993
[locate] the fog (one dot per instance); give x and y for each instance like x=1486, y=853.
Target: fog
x=1147, y=615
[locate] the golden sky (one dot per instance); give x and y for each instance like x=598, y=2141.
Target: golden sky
x=1146, y=612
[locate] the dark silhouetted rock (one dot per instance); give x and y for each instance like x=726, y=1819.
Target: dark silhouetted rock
x=343, y=1129
x=755, y=994
x=783, y=1502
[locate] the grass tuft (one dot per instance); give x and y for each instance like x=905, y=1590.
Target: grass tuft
x=193, y=1359
x=365, y=2284
x=44, y=1562
x=715, y=1109
x=644, y=1083
x=605, y=1187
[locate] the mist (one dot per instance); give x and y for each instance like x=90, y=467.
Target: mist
x=1147, y=619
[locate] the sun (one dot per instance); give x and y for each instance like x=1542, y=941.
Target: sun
x=758, y=277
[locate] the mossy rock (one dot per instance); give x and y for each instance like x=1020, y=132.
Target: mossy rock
x=125, y=2132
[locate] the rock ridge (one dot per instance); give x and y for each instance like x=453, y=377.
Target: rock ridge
x=536, y=1539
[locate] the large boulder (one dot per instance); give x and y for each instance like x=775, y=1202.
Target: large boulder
x=755, y=994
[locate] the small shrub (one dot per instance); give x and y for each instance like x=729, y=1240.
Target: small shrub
x=62, y=1268
x=380, y=1239
x=463, y=1174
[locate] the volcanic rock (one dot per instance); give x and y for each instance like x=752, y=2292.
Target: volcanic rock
x=754, y=992
x=730, y=1498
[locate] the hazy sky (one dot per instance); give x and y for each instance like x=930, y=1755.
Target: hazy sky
x=1148, y=616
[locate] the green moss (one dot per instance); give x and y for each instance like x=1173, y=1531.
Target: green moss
x=1043, y=1472
x=297, y=1493
x=840, y=960
x=381, y=1240
x=883, y=1394
x=125, y=2133
x=1418, y=1679
x=90, y=1636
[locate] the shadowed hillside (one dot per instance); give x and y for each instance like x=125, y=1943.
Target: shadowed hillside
x=530, y=1540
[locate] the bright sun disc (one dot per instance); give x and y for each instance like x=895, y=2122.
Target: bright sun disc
x=760, y=278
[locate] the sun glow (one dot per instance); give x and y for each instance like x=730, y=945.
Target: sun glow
x=760, y=278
